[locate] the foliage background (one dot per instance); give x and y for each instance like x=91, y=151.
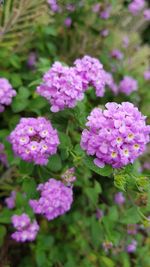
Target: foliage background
x=76, y=238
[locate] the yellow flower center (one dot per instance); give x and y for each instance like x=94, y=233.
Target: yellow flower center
x=33, y=147
x=126, y=152
x=136, y=146
x=119, y=140
x=44, y=147
x=113, y=154
x=30, y=129
x=22, y=139
x=130, y=136
x=45, y=133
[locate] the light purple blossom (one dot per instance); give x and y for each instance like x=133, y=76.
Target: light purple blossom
x=3, y=157
x=54, y=5
x=105, y=14
x=117, y=54
x=119, y=198
x=147, y=75
x=70, y=7
x=111, y=83
x=6, y=93
x=131, y=248
x=62, y=87
x=113, y=137
x=68, y=22
x=96, y=7
x=104, y=32
x=147, y=14
x=10, y=201
x=99, y=214
x=125, y=41
x=136, y=6
x=132, y=229
x=92, y=73
x=25, y=229
x=68, y=177
x=146, y=165
x=55, y=199
x=32, y=59
x=107, y=245
x=34, y=139
x=128, y=85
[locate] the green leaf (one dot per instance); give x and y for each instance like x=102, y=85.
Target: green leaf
x=107, y=262
x=2, y=234
x=26, y=167
x=105, y=171
x=19, y=104
x=29, y=187
x=37, y=103
x=54, y=163
x=131, y=216
x=65, y=141
x=5, y=216
x=93, y=193
x=120, y=181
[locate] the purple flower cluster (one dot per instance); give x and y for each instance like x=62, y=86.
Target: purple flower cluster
x=32, y=60
x=54, y=5
x=25, y=229
x=128, y=85
x=3, y=157
x=147, y=75
x=132, y=229
x=131, y=248
x=147, y=14
x=135, y=6
x=117, y=54
x=92, y=73
x=55, y=200
x=68, y=22
x=104, y=33
x=107, y=245
x=113, y=137
x=34, y=139
x=119, y=198
x=68, y=177
x=105, y=14
x=111, y=83
x=6, y=93
x=62, y=87
x=99, y=214
x=10, y=201
x=96, y=7
x=125, y=41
